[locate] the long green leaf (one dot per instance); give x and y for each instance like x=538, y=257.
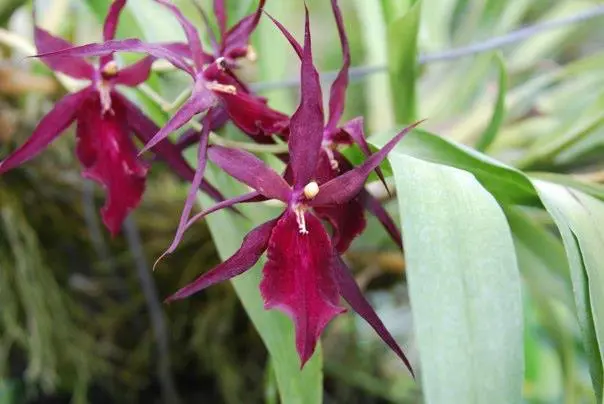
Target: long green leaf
x=275, y=329
x=579, y=218
x=464, y=285
x=402, y=62
x=489, y=134
x=379, y=114
x=507, y=184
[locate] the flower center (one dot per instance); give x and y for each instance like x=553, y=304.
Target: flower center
x=110, y=69
x=311, y=190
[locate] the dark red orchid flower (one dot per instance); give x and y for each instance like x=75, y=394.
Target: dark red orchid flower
x=347, y=220
x=104, y=147
x=215, y=88
x=304, y=276
x=105, y=119
x=215, y=85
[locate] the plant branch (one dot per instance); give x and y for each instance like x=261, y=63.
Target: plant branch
x=356, y=73
x=156, y=312
x=251, y=147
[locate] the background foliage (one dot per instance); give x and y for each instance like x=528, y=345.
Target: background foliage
x=504, y=249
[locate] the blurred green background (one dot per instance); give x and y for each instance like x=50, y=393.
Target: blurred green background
x=75, y=324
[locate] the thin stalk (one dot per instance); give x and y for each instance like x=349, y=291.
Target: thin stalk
x=156, y=313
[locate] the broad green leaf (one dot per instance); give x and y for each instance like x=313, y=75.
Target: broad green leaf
x=579, y=218
x=505, y=183
x=402, y=63
x=488, y=136
x=594, y=189
x=464, y=285
x=275, y=329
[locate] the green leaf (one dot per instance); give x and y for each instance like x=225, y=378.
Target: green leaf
x=379, y=114
x=156, y=24
x=275, y=329
x=464, y=285
x=579, y=218
x=590, y=188
x=507, y=184
x=402, y=63
x=488, y=136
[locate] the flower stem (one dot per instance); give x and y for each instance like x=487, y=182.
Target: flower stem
x=251, y=147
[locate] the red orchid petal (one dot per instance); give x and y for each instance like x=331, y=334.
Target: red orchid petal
x=144, y=129
x=351, y=292
x=348, y=219
x=245, y=198
x=108, y=155
x=190, y=32
x=375, y=207
x=252, y=248
x=306, y=125
x=252, y=115
x=136, y=73
x=337, y=96
x=298, y=279
x=73, y=66
x=221, y=16
x=348, y=185
x=293, y=42
x=113, y=15
x=192, y=195
x=249, y=169
x=198, y=102
x=235, y=41
x=354, y=128
x=249, y=197
x=182, y=49
x=49, y=128
x=160, y=51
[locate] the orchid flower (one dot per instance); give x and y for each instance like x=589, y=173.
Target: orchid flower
x=304, y=275
x=105, y=119
x=347, y=220
x=215, y=85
